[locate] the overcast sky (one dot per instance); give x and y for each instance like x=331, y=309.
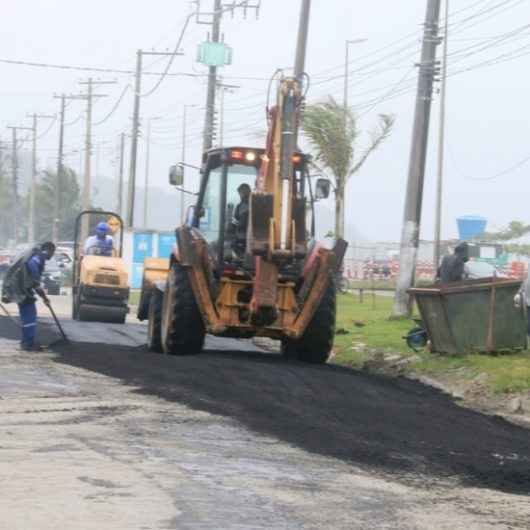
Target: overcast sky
x=487, y=109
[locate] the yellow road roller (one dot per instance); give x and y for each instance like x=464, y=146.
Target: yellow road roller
x=100, y=287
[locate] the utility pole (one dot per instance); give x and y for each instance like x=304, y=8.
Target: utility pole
x=301, y=46
x=14, y=166
x=413, y=199
x=212, y=80
x=31, y=216
x=134, y=141
x=120, y=181
x=58, y=178
x=88, y=97
x=147, y=161
x=14, y=169
x=129, y=222
x=214, y=20
x=87, y=178
x=441, y=146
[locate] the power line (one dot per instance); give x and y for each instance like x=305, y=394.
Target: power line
x=43, y=134
x=115, y=107
x=119, y=71
x=171, y=59
x=73, y=122
x=506, y=171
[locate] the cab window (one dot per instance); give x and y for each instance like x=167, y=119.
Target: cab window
x=209, y=223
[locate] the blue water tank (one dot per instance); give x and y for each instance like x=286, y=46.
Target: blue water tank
x=470, y=226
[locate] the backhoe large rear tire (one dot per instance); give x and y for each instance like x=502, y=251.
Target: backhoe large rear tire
x=154, y=324
x=182, y=327
x=315, y=345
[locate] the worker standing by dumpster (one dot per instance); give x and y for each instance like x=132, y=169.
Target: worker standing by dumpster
x=452, y=268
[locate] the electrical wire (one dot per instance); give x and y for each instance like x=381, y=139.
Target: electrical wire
x=75, y=121
x=178, y=44
x=115, y=107
x=502, y=173
x=118, y=71
x=43, y=134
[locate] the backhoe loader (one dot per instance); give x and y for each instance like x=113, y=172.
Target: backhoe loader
x=271, y=279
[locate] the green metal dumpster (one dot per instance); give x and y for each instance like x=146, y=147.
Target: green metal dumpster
x=472, y=316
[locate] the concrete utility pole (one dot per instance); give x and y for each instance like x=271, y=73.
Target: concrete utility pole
x=119, y=207
x=87, y=178
x=31, y=216
x=14, y=165
x=58, y=178
x=215, y=22
x=134, y=141
x=441, y=147
x=14, y=169
x=301, y=46
x=131, y=191
x=212, y=81
x=413, y=199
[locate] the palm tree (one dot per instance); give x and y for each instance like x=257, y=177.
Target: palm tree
x=69, y=204
x=332, y=132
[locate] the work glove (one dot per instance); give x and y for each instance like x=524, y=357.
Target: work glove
x=42, y=294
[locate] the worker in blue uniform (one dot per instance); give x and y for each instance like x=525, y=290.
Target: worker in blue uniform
x=100, y=244
x=21, y=284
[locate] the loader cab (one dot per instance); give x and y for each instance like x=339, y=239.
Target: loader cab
x=224, y=171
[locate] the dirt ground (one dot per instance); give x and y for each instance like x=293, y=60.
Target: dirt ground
x=101, y=434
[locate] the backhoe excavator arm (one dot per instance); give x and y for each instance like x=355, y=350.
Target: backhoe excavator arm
x=274, y=237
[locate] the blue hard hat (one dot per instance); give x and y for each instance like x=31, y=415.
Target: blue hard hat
x=102, y=229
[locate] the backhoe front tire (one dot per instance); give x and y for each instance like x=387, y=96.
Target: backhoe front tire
x=182, y=327
x=154, y=323
x=315, y=345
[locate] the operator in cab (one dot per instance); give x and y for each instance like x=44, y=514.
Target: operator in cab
x=452, y=268
x=239, y=223
x=101, y=243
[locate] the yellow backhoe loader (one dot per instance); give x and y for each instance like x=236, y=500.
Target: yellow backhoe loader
x=270, y=280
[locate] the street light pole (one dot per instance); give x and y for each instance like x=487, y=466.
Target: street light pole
x=120, y=182
x=183, y=162
x=223, y=88
x=347, y=73
x=441, y=146
x=147, y=161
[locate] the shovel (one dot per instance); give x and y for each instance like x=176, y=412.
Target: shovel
x=48, y=304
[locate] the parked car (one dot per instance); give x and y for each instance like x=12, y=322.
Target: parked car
x=6, y=257
x=52, y=278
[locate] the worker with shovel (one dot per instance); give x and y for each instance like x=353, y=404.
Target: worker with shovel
x=21, y=283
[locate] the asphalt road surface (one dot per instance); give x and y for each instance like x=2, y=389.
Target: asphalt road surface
x=100, y=434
